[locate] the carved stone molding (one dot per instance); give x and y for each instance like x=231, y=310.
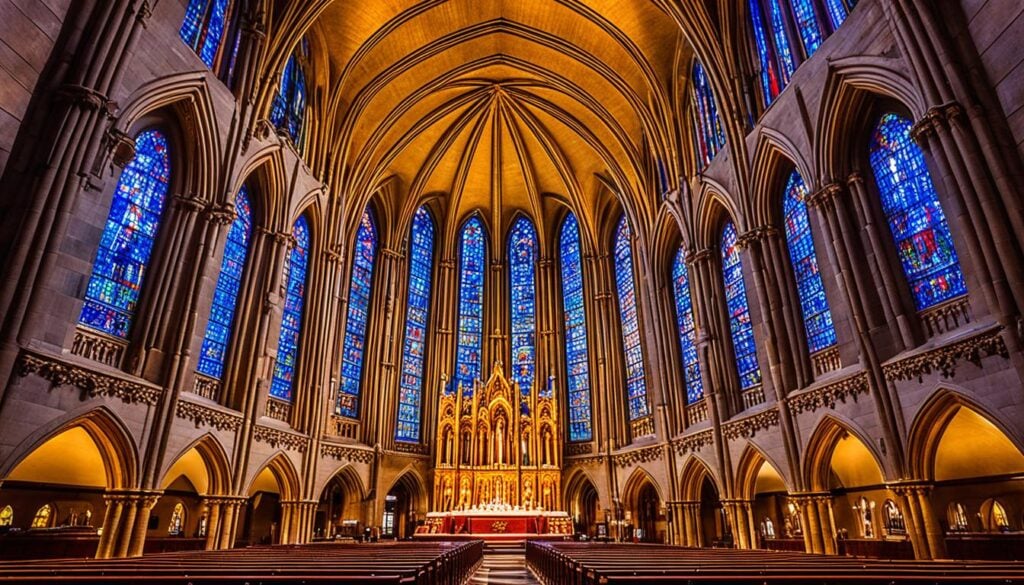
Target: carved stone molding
x=693, y=443
x=945, y=360
x=757, y=234
x=413, y=448
x=342, y=453
x=825, y=194
x=91, y=383
x=98, y=347
x=749, y=426
x=637, y=456
x=827, y=396
x=275, y=437
x=208, y=417
x=579, y=449
x=279, y=409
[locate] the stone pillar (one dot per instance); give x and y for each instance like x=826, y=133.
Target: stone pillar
x=213, y=510
x=138, y=530
x=909, y=506
x=828, y=532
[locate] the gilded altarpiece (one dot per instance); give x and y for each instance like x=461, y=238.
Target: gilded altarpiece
x=498, y=448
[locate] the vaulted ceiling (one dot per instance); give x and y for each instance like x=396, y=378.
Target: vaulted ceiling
x=503, y=105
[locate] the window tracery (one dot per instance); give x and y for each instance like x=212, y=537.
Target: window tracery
x=522, y=254
x=576, y=353
x=686, y=329
x=291, y=320
x=636, y=382
x=709, y=133
x=740, y=327
x=421, y=264
x=360, y=288
x=472, y=259
x=288, y=112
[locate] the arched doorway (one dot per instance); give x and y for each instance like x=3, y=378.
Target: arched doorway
x=404, y=508
x=339, y=512
x=645, y=519
x=714, y=525
x=647, y=514
x=583, y=504
x=773, y=519
x=266, y=521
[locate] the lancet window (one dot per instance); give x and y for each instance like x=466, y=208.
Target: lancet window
x=417, y=312
x=112, y=295
x=472, y=264
x=522, y=260
x=821, y=333
x=288, y=112
x=225, y=295
x=740, y=327
x=686, y=329
x=211, y=28
x=915, y=217
x=291, y=320
x=360, y=288
x=709, y=133
x=576, y=356
x=636, y=381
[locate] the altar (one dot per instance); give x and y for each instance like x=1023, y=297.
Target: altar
x=484, y=522
x=498, y=460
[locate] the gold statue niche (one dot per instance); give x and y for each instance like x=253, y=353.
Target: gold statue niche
x=498, y=448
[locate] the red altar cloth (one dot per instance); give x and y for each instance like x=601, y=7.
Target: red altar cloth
x=503, y=525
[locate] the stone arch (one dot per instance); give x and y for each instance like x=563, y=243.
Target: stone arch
x=265, y=171
x=692, y=477
x=750, y=465
x=283, y=472
x=406, y=502
x=214, y=459
x=853, y=84
x=775, y=154
x=112, y=440
x=947, y=408
x=713, y=209
x=413, y=482
x=818, y=456
x=644, y=503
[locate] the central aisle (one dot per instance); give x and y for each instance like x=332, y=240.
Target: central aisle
x=503, y=566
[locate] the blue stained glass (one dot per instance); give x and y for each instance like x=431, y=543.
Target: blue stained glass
x=686, y=329
x=813, y=303
x=471, y=306
x=576, y=355
x=288, y=111
x=782, y=50
x=836, y=12
x=203, y=27
x=636, y=382
x=915, y=217
x=709, y=132
x=291, y=320
x=807, y=24
x=128, y=237
x=740, y=327
x=522, y=254
x=421, y=262
x=360, y=288
x=225, y=296
x=771, y=85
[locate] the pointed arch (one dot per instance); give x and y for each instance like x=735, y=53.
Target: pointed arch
x=691, y=479
x=750, y=464
x=350, y=480
x=360, y=292
x=930, y=425
x=112, y=439
x=577, y=349
x=472, y=276
x=417, y=320
x=283, y=470
x=634, y=485
x=827, y=435
x=629, y=309
x=415, y=487
x=215, y=460
x=297, y=266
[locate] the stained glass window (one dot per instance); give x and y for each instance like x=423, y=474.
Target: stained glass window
x=358, y=314
x=811, y=290
x=128, y=236
x=291, y=320
x=782, y=49
x=203, y=27
x=686, y=329
x=472, y=258
x=915, y=217
x=522, y=255
x=636, y=382
x=807, y=24
x=709, y=132
x=576, y=355
x=740, y=327
x=771, y=84
x=225, y=295
x=288, y=112
x=421, y=262
x=837, y=12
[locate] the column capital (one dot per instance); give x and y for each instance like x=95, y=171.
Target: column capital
x=698, y=256
x=827, y=193
x=757, y=234
x=189, y=202
x=220, y=214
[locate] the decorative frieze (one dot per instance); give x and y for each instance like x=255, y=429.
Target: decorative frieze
x=693, y=443
x=753, y=397
x=90, y=382
x=206, y=387
x=946, y=359
x=414, y=448
x=643, y=427
x=579, y=449
x=827, y=396
x=344, y=428
x=209, y=417
x=98, y=347
x=947, y=316
x=697, y=412
x=276, y=437
x=343, y=453
x=637, y=456
x=749, y=426
x=826, y=360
